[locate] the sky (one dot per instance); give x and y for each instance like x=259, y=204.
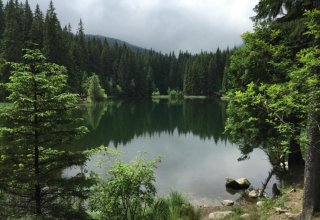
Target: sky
x=163, y=25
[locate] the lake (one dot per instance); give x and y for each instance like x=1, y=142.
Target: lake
x=196, y=155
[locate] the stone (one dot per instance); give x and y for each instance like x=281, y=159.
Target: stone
x=253, y=194
x=241, y=183
x=259, y=203
x=280, y=210
x=227, y=203
x=245, y=216
x=219, y=215
x=291, y=215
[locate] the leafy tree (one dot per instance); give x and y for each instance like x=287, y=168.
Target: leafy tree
x=308, y=73
x=39, y=122
x=95, y=92
x=277, y=112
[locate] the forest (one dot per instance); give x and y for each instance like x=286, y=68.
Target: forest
x=122, y=71
x=271, y=83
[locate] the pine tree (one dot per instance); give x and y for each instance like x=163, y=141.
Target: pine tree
x=37, y=28
x=40, y=121
x=2, y=21
x=53, y=44
x=27, y=19
x=12, y=40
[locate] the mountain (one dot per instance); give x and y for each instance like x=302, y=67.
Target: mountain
x=113, y=41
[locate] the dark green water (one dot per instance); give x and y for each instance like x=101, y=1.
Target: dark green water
x=196, y=155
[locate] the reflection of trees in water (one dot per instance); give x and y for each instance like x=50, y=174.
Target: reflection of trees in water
x=94, y=113
x=124, y=120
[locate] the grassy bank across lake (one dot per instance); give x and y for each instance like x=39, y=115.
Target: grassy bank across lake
x=185, y=97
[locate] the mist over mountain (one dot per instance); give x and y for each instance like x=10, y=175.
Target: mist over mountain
x=112, y=41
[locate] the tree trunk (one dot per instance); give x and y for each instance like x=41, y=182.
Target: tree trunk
x=37, y=193
x=295, y=158
x=311, y=198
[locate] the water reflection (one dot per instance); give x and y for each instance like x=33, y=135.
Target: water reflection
x=118, y=122
x=196, y=155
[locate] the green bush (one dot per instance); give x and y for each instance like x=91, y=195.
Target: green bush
x=127, y=192
x=175, y=95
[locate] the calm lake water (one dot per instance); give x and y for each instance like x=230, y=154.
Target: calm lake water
x=196, y=155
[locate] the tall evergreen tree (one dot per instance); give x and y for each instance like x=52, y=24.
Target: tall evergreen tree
x=12, y=41
x=2, y=21
x=27, y=19
x=41, y=119
x=37, y=28
x=53, y=44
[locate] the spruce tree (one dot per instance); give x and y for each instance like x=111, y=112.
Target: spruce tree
x=36, y=128
x=12, y=40
x=2, y=22
x=37, y=28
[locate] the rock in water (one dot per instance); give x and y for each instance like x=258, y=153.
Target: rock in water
x=241, y=183
x=227, y=203
x=219, y=215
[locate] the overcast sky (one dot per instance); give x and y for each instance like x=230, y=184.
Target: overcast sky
x=164, y=25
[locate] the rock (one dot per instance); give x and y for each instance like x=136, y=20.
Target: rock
x=241, y=183
x=259, y=203
x=280, y=210
x=219, y=215
x=227, y=203
x=293, y=190
x=245, y=216
x=253, y=194
x=292, y=215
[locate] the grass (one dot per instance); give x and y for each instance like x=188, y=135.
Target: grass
x=174, y=207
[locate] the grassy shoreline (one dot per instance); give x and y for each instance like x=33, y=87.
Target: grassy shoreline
x=185, y=97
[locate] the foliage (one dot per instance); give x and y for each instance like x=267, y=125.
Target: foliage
x=175, y=95
x=95, y=92
x=156, y=92
x=276, y=111
x=40, y=120
x=128, y=191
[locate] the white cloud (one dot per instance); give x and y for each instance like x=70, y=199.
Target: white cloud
x=164, y=25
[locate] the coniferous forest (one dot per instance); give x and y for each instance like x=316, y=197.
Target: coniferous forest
x=54, y=85
x=122, y=70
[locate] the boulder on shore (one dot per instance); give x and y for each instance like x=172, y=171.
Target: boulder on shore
x=253, y=194
x=241, y=183
x=219, y=215
x=227, y=203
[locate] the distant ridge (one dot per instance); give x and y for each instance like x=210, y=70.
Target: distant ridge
x=112, y=41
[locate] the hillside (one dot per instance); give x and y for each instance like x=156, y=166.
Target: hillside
x=113, y=41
